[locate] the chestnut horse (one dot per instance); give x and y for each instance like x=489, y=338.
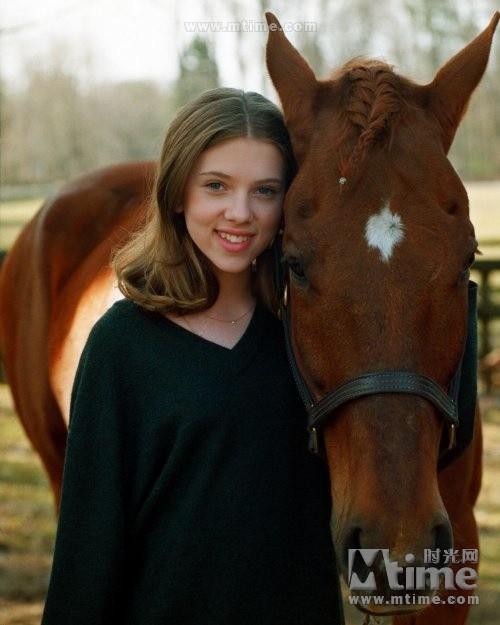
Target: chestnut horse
x=363, y=298
x=378, y=243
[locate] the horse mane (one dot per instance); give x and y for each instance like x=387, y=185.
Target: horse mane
x=372, y=98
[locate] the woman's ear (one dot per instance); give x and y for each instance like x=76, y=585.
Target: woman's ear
x=178, y=209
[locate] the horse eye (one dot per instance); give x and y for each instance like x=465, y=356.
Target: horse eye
x=464, y=274
x=297, y=270
x=472, y=258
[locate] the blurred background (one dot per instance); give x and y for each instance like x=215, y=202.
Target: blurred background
x=89, y=83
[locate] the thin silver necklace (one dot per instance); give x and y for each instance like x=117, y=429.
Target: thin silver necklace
x=231, y=321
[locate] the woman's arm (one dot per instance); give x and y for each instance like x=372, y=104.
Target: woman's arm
x=86, y=578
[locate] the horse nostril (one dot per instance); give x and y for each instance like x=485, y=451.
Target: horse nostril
x=443, y=536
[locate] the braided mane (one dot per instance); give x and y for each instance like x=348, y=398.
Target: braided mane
x=372, y=99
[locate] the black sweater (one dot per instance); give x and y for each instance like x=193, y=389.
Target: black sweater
x=189, y=496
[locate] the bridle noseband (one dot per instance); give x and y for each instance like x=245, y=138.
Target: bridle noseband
x=372, y=382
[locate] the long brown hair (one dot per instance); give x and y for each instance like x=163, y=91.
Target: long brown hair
x=160, y=267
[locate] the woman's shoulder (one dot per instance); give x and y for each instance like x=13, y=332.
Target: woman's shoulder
x=125, y=348
x=124, y=319
x=119, y=314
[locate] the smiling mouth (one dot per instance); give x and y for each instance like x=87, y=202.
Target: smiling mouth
x=233, y=238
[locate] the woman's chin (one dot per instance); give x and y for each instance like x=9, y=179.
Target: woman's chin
x=230, y=266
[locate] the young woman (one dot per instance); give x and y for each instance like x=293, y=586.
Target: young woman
x=189, y=494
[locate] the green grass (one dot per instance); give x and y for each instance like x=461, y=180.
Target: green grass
x=12, y=215
x=19, y=209
x=27, y=523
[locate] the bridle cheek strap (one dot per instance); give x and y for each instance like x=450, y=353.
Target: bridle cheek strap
x=388, y=381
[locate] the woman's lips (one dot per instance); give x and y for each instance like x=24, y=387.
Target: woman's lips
x=233, y=247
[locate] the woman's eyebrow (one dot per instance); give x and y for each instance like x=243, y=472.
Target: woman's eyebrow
x=223, y=175
x=214, y=173
x=278, y=180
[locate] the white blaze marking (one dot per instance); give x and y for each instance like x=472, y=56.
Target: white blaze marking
x=384, y=231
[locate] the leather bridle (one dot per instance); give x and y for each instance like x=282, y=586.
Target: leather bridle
x=369, y=383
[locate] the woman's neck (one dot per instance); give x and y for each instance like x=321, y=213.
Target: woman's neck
x=235, y=294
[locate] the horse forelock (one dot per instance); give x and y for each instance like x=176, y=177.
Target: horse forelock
x=372, y=98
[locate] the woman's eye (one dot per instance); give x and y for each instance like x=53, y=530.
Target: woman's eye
x=214, y=186
x=267, y=191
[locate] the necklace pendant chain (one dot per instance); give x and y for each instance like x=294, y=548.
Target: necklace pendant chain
x=232, y=321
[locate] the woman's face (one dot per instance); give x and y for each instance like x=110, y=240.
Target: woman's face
x=233, y=201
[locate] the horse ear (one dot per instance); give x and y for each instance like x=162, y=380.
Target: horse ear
x=450, y=91
x=295, y=83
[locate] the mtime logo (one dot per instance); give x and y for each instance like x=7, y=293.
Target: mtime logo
x=415, y=577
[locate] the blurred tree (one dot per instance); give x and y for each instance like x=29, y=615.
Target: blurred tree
x=355, y=27
x=132, y=117
x=311, y=43
x=438, y=29
x=60, y=123
x=235, y=9
x=42, y=127
x=197, y=72
x=54, y=129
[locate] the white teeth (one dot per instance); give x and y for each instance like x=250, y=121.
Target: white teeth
x=233, y=237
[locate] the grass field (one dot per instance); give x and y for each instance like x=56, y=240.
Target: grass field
x=27, y=524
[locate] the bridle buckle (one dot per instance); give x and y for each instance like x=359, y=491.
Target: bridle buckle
x=313, y=440
x=452, y=436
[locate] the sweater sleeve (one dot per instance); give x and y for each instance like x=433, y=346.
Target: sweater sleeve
x=85, y=582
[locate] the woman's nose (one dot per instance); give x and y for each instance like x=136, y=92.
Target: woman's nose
x=239, y=208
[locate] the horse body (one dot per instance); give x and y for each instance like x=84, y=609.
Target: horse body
x=54, y=284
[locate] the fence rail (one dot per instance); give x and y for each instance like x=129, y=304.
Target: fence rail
x=488, y=310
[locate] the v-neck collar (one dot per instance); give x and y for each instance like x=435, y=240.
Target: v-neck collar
x=236, y=357
x=217, y=346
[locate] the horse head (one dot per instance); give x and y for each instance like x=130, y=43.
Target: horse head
x=378, y=244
